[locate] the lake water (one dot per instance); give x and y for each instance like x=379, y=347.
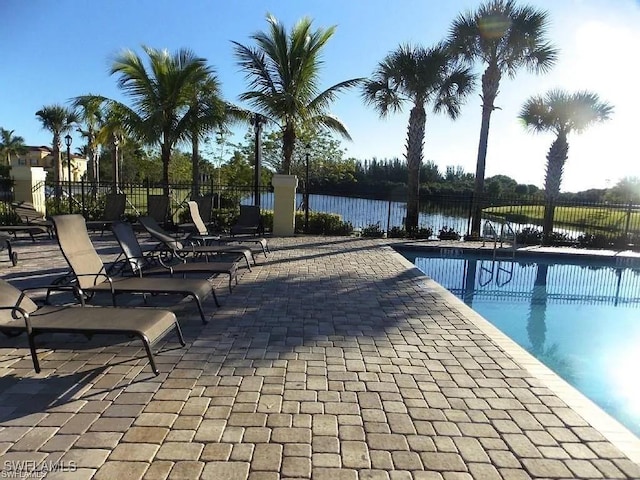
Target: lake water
x=362, y=212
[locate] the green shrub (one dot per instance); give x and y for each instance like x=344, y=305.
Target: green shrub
x=321, y=223
x=397, y=232
x=448, y=233
x=372, y=231
x=418, y=233
x=589, y=240
x=529, y=236
x=423, y=233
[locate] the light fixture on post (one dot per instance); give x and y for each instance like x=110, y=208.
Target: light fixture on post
x=116, y=173
x=67, y=142
x=307, y=151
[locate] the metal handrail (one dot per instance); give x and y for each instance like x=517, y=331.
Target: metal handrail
x=487, y=223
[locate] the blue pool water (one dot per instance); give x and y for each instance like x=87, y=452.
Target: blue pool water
x=579, y=318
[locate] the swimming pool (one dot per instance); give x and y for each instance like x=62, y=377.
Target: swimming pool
x=578, y=317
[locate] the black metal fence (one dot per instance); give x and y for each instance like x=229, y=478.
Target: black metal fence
x=380, y=209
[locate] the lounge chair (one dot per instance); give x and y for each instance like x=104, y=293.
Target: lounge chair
x=158, y=208
x=18, y=313
x=115, y=204
x=249, y=222
x=205, y=206
x=205, y=237
x=32, y=222
x=91, y=275
x=179, y=249
x=153, y=264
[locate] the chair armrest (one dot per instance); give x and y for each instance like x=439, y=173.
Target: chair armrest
x=22, y=313
x=59, y=288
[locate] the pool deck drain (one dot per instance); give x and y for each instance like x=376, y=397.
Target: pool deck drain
x=333, y=359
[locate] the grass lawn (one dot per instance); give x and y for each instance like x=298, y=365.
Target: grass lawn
x=587, y=218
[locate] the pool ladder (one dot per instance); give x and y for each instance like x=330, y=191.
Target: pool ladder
x=503, y=274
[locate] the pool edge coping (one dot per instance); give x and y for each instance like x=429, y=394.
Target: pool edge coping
x=614, y=431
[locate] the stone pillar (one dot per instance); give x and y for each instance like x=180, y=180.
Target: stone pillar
x=284, y=208
x=29, y=186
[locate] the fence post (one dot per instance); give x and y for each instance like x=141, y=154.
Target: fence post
x=628, y=223
x=389, y=217
x=82, y=198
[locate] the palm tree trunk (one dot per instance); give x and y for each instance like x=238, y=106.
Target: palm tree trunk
x=415, y=144
x=165, y=149
x=288, y=143
x=490, y=84
x=195, y=166
x=556, y=159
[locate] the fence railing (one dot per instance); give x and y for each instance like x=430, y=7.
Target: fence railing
x=437, y=212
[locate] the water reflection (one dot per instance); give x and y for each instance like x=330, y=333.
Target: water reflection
x=536, y=326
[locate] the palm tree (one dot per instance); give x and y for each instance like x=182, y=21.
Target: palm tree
x=561, y=113
x=91, y=116
x=113, y=134
x=505, y=38
x=208, y=112
x=58, y=120
x=418, y=76
x=11, y=144
x=283, y=71
x=160, y=96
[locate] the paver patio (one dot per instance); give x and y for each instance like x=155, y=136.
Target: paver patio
x=333, y=359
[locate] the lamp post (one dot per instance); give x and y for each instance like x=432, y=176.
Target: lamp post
x=307, y=151
x=257, y=121
x=116, y=173
x=67, y=142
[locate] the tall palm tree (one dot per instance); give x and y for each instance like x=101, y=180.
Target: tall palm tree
x=160, y=96
x=58, y=120
x=283, y=73
x=417, y=76
x=113, y=135
x=11, y=144
x=506, y=38
x=91, y=116
x=561, y=113
x=208, y=112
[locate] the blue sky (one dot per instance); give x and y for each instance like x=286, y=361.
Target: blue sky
x=53, y=51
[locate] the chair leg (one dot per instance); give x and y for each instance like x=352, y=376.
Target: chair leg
x=179, y=333
x=246, y=259
x=34, y=355
x=199, y=303
x=147, y=347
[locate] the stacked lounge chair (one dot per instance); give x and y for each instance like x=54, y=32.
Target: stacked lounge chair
x=91, y=275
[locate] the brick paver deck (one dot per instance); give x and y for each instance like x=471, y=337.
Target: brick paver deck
x=332, y=359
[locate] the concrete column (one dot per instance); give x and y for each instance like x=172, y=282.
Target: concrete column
x=284, y=208
x=29, y=186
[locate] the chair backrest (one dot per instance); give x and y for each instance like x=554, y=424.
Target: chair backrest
x=156, y=232
x=28, y=213
x=115, y=203
x=249, y=216
x=130, y=246
x=76, y=246
x=249, y=221
x=158, y=207
x=10, y=296
x=205, y=204
x=194, y=211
